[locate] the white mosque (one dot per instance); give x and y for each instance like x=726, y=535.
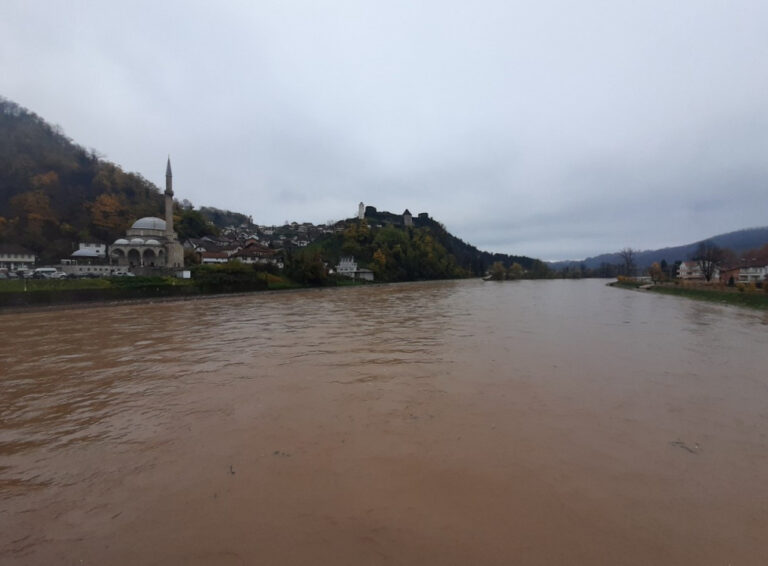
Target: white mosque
x=151, y=242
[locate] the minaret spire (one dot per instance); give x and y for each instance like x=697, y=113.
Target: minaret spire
x=168, y=178
x=169, y=201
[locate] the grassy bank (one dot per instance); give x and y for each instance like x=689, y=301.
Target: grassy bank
x=207, y=280
x=742, y=297
x=47, y=292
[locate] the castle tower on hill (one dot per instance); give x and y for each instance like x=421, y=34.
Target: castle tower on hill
x=407, y=218
x=361, y=211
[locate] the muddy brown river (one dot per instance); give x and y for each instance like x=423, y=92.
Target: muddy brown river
x=532, y=423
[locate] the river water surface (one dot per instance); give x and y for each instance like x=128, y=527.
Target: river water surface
x=553, y=422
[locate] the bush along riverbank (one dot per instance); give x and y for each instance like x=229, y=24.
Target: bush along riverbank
x=206, y=280
x=750, y=295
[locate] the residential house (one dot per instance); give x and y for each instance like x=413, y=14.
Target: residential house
x=256, y=253
x=347, y=267
x=746, y=271
x=15, y=257
x=691, y=270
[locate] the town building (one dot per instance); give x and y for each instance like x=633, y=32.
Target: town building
x=90, y=259
x=347, y=267
x=256, y=253
x=91, y=250
x=13, y=257
x=746, y=271
x=691, y=270
x=151, y=242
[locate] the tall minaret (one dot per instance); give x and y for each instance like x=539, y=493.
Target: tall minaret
x=168, y=200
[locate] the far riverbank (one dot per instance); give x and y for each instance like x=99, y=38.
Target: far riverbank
x=739, y=296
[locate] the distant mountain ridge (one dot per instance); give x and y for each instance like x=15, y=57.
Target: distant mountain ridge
x=738, y=241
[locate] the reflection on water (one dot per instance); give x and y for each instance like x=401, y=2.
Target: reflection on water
x=91, y=394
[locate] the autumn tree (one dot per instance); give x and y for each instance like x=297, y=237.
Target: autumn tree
x=497, y=272
x=656, y=272
x=515, y=271
x=109, y=215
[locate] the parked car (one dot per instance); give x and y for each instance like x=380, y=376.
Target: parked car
x=48, y=273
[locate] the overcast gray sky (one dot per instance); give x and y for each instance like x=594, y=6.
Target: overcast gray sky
x=557, y=129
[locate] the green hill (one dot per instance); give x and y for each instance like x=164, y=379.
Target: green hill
x=426, y=250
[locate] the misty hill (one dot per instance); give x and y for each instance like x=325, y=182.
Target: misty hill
x=738, y=241
x=54, y=192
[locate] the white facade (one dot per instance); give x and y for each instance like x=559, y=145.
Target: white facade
x=692, y=270
x=347, y=266
x=15, y=257
x=753, y=273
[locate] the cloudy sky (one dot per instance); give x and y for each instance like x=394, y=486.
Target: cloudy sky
x=555, y=128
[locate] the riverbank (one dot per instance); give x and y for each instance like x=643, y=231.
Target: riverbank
x=737, y=296
x=23, y=294
x=52, y=294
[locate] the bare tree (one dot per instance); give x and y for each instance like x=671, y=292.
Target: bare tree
x=709, y=256
x=628, y=257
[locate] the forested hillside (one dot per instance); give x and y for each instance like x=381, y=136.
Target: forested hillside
x=398, y=253
x=54, y=193
x=223, y=218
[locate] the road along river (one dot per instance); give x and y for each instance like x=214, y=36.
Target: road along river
x=552, y=422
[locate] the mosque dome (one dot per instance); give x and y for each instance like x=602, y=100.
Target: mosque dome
x=120, y=242
x=149, y=223
x=152, y=242
x=137, y=241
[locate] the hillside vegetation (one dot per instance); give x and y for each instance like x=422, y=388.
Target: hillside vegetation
x=398, y=253
x=54, y=192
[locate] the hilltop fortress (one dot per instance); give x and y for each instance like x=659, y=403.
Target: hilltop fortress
x=405, y=219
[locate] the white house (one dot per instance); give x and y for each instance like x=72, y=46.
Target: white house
x=753, y=271
x=348, y=268
x=15, y=257
x=691, y=270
